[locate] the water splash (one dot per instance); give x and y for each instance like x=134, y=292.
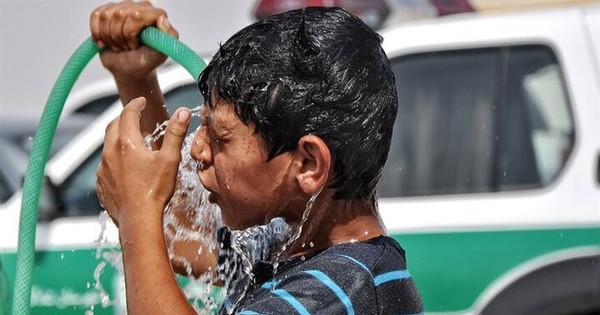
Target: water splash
x=160, y=129
x=258, y=243
x=107, y=256
x=190, y=217
x=298, y=231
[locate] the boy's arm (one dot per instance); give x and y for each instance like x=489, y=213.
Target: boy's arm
x=115, y=28
x=134, y=184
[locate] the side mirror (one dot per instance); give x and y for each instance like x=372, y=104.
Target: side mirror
x=48, y=207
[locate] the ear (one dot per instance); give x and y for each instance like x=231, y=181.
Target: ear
x=315, y=162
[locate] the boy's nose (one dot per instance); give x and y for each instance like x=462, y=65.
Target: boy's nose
x=200, y=150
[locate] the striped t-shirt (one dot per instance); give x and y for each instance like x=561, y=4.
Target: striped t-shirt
x=367, y=277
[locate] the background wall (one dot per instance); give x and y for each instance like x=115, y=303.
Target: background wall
x=37, y=38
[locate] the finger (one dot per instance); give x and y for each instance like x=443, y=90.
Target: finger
x=95, y=25
x=110, y=147
x=129, y=123
x=100, y=180
x=111, y=134
x=175, y=134
x=116, y=29
x=131, y=30
x=104, y=26
x=165, y=26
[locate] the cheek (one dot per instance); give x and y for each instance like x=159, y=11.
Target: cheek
x=244, y=186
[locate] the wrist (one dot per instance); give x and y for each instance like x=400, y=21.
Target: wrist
x=141, y=222
x=135, y=80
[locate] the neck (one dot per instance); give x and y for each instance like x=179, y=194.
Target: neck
x=332, y=222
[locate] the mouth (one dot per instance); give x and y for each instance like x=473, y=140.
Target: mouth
x=211, y=194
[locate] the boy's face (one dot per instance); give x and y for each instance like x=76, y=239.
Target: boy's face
x=233, y=167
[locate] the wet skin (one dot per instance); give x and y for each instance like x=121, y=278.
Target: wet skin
x=233, y=166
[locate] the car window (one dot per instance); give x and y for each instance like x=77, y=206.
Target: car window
x=478, y=120
x=97, y=106
x=77, y=195
x=5, y=191
x=185, y=96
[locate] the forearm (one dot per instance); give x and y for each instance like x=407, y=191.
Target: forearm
x=148, y=87
x=193, y=258
x=151, y=287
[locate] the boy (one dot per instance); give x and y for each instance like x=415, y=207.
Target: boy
x=299, y=114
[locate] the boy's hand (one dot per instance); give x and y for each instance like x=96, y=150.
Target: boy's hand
x=116, y=27
x=134, y=183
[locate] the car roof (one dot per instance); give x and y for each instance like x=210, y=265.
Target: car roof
x=478, y=29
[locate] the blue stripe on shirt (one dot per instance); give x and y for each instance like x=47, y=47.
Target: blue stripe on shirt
x=391, y=276
x=334, y=287
x=292, y=300
x=269, y=284
x=247, y=312
x=356, y=262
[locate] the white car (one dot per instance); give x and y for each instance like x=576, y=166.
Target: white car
x=492, y=185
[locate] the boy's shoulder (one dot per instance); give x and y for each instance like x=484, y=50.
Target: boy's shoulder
x=367, y=277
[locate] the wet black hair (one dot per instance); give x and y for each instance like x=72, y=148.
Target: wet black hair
x=317, y=71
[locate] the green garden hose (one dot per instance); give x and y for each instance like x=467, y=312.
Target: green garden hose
x=43, y=139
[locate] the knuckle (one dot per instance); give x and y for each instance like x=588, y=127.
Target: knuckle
x=105, y=15
x=177, y=131
x=119, y=13
x=123, y=145
x=110, y=126
x=136, y=16
x=104, y=159
x=96, y=14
